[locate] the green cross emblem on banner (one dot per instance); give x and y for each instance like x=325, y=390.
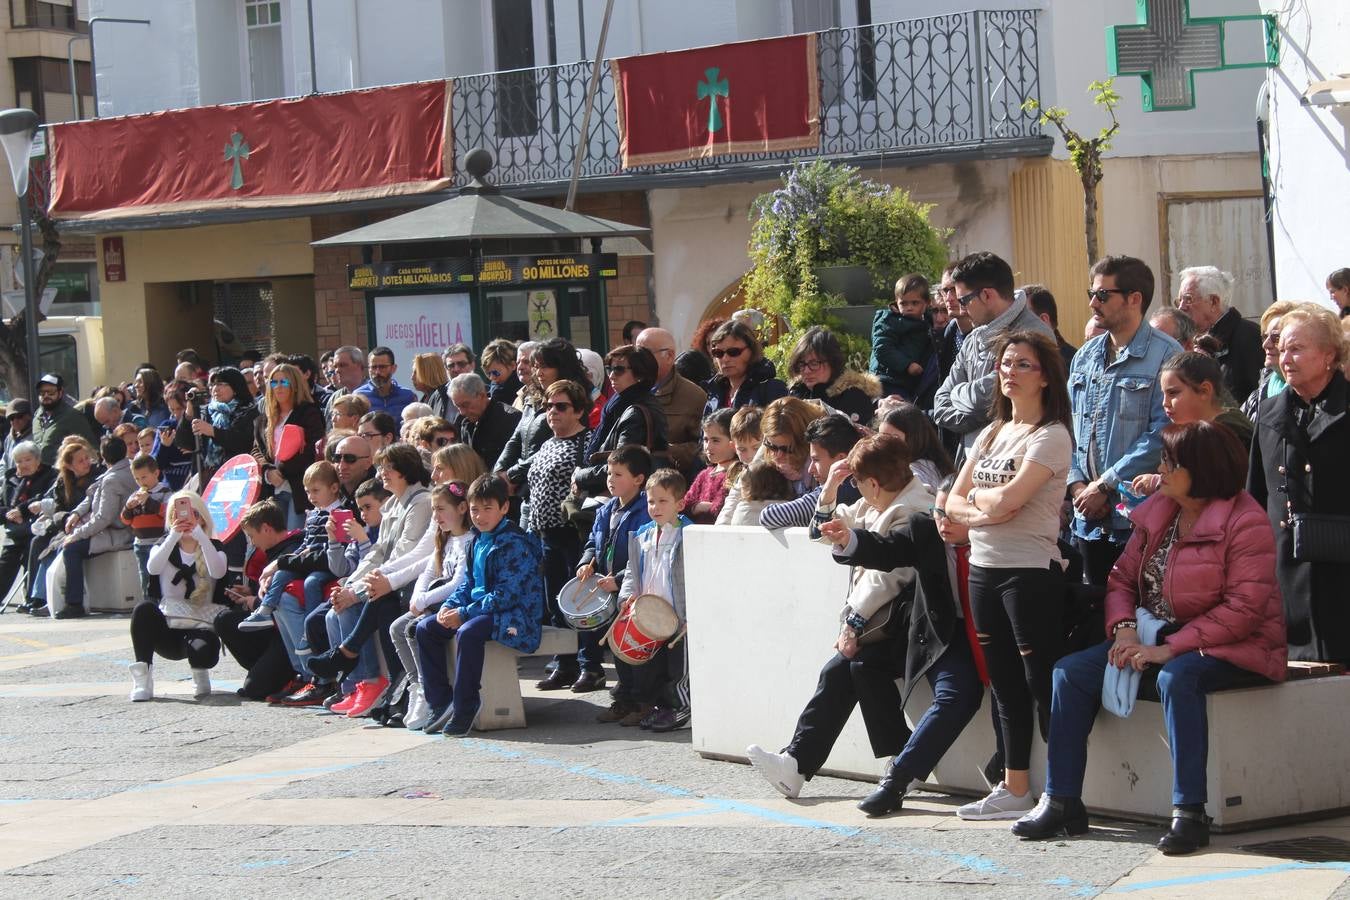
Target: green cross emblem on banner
x=1168, y=47
x=712, y=88
x=237, y=150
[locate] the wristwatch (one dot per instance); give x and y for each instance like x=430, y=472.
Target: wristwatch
x=1124, y=623
x=856, y=622
x=970, y=498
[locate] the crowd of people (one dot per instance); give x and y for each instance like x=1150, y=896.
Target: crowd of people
x=1153, y=514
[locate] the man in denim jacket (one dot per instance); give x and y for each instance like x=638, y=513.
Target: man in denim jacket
x=1117, y=409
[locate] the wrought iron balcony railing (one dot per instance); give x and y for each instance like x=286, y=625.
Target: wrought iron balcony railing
x=953, y=82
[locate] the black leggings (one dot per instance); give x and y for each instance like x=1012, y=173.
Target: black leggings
x=151, y=634
x=1018, y=621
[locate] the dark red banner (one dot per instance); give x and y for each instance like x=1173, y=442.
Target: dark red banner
x=748, y=97
x=326, y=148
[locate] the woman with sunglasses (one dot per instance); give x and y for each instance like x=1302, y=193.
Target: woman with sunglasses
x=287, y=401
x=1009, y=492
x=567, y=406
x=430, y=380
x=818, y=373
x=630, y=416
x=1271, y=381
x=499, y=365
x=223, y=427
x=744, y=377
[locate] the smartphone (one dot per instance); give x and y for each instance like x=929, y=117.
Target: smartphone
x=182, y=510
x=340, y=519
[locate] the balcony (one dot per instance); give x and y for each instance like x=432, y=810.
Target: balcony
x=917, y=90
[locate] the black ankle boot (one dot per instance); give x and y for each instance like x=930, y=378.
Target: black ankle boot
x=1052, y=817
x=1190, y=831
x=888, y=796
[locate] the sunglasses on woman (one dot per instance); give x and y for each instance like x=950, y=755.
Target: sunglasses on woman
x=615, y=370
x=777, y=449
x=733, y=352
x=558, y=407
x=279, y=382
x=443, y=441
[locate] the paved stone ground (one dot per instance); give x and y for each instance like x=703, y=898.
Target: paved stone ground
x=99, y=796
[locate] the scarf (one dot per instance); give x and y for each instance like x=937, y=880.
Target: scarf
x=610, y=415
x=193, y=574
x=220, y=415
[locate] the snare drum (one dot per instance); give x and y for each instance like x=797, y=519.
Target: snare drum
x=585, y=606
x=642, y=629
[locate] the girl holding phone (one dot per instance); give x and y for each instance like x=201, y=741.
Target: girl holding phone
x=188, y=564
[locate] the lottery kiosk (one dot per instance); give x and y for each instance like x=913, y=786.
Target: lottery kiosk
x=481, y=266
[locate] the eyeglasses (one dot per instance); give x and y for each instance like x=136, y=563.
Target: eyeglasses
x=443, y=441
x=1101, y=295
x=369, y=435
x=558, y=407
x=279, y=382
x=733, y=352
x=777, y=449
x=350, y=459
x=459, y=365
x=938, y=512
x=1020, y=366
x=811, y=365
x=380, y=367
x=1272, y=338
x=949, y=289
x=495, y=373
x=965, y=299
x=615, y=370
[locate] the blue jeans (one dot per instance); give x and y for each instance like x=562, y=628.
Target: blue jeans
x=290, y=619
x=142, y=552
x=340, y=624
x=957, y=694
x=470, y=647
x=75, y=553
x=1183, y=683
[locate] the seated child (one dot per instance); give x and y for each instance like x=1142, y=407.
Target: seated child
x=745, y=436
x=829, y=439
x=656, y=566
x=606, y=553
x=761, y=485
x=441, y=577
x=269, y=678
x=500, y=599
x=309, y=562
x=709, y=491
x=144, y=514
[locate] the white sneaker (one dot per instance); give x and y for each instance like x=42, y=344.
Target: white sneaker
x=201, y=683
x=142, y=682
x=779, y=769
x=419, y=713
x=1001, y=803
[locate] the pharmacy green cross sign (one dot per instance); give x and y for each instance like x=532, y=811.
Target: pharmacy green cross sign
x=1168, y=46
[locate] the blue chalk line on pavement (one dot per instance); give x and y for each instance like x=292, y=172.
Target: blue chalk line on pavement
x=1228, y=875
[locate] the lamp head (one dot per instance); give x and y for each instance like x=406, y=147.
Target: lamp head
x=16, y=134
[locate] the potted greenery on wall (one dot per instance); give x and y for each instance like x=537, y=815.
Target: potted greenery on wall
x=829, y=239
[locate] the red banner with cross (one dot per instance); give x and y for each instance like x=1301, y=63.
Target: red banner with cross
x=326, y=148
x=747, y=97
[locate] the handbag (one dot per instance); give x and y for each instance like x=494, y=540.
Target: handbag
x=1317, y=537
x=879, y=626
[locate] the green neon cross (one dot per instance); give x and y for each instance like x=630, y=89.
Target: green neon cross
x=712, y=88
x=1167, y=47
x=238, y=150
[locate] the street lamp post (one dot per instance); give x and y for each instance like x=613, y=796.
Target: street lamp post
x=16, y=134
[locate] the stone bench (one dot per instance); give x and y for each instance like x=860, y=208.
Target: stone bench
x=763, y=613
x=112, y=581
x=503, y=706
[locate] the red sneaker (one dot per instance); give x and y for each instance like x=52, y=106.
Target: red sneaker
x=366, y=696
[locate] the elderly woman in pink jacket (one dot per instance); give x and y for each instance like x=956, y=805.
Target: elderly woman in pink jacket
x=1192, y=602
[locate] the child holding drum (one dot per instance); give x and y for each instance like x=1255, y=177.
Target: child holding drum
x=606, y=554
x=656, y=573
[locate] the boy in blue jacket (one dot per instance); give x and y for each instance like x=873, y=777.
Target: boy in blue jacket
x=902, y=345
x=606, y=552
x=501, y=599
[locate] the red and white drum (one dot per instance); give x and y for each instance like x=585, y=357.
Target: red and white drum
x=642, y=628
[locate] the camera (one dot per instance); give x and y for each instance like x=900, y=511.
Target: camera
x=199, y=395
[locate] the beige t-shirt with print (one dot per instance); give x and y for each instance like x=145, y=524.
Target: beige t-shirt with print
x=1029, y=539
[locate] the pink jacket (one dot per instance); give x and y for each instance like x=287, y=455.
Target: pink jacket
x=1220, y=581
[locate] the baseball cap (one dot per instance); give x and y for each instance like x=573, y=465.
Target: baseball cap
x=53, y=379
x=18, y=407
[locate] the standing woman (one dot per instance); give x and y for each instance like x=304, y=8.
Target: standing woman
x=499, y=365
x=1298, y=466
x=148, y=410
x=430, y=380
x=287, y=402
x=225, y=427
x=1271, y=381
x=568, y=404
x=630, y=415
x=818, y=373
x=1009, y=492
x=188, y=564
x=744, y=377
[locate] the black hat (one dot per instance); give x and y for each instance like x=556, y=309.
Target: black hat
x=18, y=407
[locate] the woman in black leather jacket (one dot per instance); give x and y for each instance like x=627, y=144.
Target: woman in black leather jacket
x=631, y=416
